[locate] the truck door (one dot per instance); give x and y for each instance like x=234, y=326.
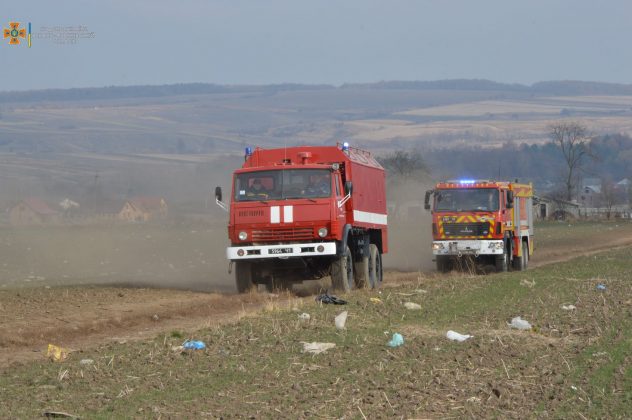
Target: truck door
x=339, y=212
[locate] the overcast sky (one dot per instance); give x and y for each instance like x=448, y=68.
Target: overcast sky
x=318, y=41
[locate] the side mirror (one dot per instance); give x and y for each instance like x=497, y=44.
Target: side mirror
x=427, y=199
x=218, y=193
x=510, y=199
x=348, y=187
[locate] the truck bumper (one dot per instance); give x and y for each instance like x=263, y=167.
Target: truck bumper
x=468, y=247
x=281, y=251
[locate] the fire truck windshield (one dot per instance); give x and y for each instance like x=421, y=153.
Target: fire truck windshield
x=467, y=199
x=283, y=184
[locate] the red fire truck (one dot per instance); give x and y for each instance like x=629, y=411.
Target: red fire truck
x=489, y=222
x=302, y=213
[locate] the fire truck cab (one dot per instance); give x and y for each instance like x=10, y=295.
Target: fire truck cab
x=489, y=222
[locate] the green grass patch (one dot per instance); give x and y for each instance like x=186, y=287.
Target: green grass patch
x=572, y=363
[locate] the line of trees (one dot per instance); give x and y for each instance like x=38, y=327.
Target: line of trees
x=556, y=167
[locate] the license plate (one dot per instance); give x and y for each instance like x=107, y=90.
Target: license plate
x=280, y=251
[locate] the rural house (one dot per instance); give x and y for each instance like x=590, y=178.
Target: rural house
x=32, y=211
x=143, y=209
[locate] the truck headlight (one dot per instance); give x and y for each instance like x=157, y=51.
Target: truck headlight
x=243, y=236
x=436, y=246
x=322, y=232
x=496, y=245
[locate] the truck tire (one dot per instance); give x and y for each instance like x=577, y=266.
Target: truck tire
x=342, y=271
x=361, y=272
x=375, y=267
x=516, y=264
x=525, y=255
x=243, y=276
x=443, y=263
x=503, y=261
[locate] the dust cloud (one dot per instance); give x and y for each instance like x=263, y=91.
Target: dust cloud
x=88, y=245
x=409, y=226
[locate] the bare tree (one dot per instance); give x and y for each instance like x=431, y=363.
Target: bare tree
x=609, y=195
x=572, y=139
x=403, y=164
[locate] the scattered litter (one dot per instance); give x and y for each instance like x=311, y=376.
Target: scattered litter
x=58, y=414
x=412, y=306
x=414, y=292
x=177, y=349
x=600, y=353
x=304, y=316
x=317, y=348
x=57, y=353
x=520, y=324
x=86, y=362
x=340, y=320
x=155, y=317
x=375, y=300
x=476, y=400
x=326, y=298
x=601, y=286
x=573, y=387
x=193, y=345
x=527, y=283
x=455, y=336
x=568, y=307
x=396, y=341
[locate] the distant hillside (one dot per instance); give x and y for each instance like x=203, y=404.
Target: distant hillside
x=449, y=84
x=125, y=92
x=147, y=91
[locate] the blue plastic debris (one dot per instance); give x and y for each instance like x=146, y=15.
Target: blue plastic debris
x=194, y=345
x=396, y=341
x=601, y=286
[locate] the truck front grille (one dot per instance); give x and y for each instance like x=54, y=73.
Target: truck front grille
x=466, y=229
x=282, y=234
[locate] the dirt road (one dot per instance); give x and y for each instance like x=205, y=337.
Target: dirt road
x=85, y=316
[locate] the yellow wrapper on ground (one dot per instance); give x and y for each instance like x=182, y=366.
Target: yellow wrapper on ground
x=57, y=353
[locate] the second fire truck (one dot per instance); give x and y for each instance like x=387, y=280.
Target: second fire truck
x=489, y=222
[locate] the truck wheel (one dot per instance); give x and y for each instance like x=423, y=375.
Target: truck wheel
x=361, y=272
x=525, y=255
x=243, y=276
x=518, y=262
x=502, y=261
x=443, y=263
x=342, y=271
x=375, y=267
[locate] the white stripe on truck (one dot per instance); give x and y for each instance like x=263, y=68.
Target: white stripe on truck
x=275, y=214
x=288, y=214
x=368, y=217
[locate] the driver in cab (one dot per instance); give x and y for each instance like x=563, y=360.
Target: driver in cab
x=257, y=189
x=318, y=187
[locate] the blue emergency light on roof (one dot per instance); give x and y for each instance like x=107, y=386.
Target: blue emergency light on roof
x=466, y=181
x=248, y=151
x=345, y=146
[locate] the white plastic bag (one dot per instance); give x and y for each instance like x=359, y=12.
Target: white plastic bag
x=340, y=320
x=520, y=324
x=455, y=336
x=317, y=348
